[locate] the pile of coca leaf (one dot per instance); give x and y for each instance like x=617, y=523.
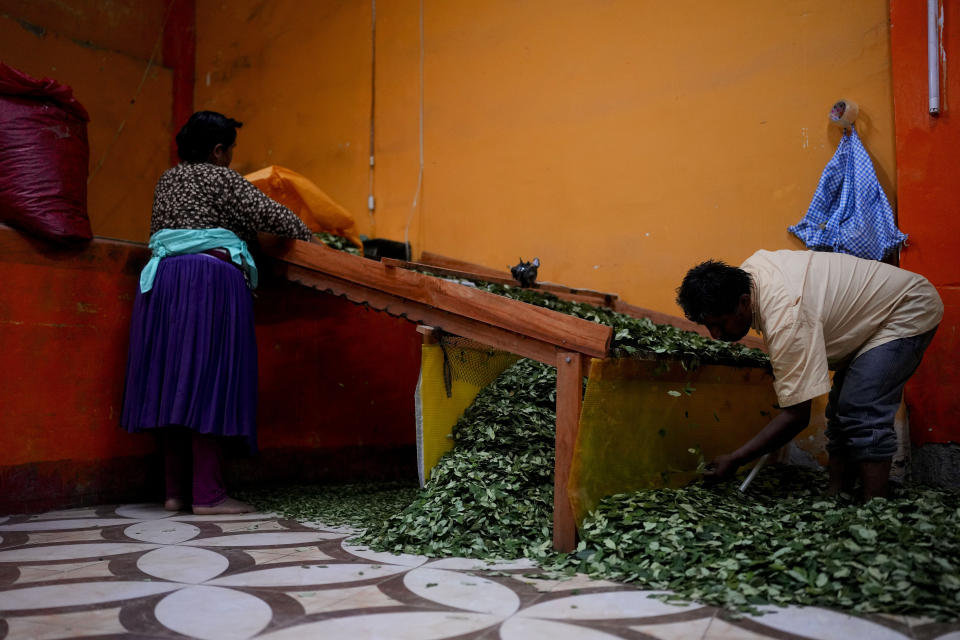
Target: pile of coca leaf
x=781, y=543
x=640, y=336
x=338, y=242
x=357, y=505
x=492, y=495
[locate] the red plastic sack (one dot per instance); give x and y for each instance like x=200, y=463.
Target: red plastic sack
x=44, y=157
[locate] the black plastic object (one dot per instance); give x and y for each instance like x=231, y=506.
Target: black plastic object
x=525, y=272
x=376, y=248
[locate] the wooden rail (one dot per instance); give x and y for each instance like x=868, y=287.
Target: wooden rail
x=437, y=260
x=557, y=329
x=597, y=298
x=420, y=313
x=475, y=271
x=459, y=268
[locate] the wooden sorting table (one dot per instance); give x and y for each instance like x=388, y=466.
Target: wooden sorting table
x=553, y=338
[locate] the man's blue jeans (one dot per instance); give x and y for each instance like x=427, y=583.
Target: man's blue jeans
x=865, y=397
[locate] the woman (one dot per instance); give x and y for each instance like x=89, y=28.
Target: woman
x=192, y=367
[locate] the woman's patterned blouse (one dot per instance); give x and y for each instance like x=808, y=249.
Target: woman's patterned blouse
x=200, y=195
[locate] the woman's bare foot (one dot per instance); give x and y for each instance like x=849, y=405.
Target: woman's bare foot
x=229, y=506
x=174, y=504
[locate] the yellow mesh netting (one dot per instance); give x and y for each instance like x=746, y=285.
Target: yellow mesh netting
x=641, y=417
x=444, y=391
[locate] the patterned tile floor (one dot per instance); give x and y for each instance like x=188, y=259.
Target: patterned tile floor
x=139, y=571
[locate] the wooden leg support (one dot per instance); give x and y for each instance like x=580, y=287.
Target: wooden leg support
x=430, y=334
x=569, y=403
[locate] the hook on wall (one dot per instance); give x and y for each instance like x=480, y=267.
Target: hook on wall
x=844, y=113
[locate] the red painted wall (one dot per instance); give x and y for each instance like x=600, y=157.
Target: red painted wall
x=336, y=382
x=929, y=200
x=180, y=54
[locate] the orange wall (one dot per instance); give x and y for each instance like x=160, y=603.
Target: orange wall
x=298, y=76
x=620, y=141
x=102, y=51
x=127, y=26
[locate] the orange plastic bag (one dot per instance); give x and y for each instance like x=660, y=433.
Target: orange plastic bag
x=296, y=192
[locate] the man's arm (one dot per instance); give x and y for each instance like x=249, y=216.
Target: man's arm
x=782, y=429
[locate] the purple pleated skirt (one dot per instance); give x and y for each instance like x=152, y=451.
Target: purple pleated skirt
x=193, y=351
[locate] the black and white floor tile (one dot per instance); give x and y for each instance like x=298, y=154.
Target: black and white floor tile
x=139, y=571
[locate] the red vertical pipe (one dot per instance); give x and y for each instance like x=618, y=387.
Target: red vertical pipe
x=180, y=54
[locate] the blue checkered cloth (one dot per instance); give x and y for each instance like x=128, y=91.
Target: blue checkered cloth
x=849, y=212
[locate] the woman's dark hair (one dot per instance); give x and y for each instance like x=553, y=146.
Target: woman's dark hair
x=204, y=131
x=712, y=288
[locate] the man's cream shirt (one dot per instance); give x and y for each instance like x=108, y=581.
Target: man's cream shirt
x=818, y=311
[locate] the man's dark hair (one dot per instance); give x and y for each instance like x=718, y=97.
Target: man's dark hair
x=712, y=288
x=204, y=131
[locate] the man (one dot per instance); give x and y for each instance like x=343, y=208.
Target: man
x=868, y=321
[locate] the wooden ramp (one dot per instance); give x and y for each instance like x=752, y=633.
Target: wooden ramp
x=550, y=337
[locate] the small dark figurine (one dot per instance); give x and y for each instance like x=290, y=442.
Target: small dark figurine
x=525, y=272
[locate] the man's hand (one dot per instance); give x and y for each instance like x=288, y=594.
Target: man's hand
x=778, y=432
x=721, y=468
